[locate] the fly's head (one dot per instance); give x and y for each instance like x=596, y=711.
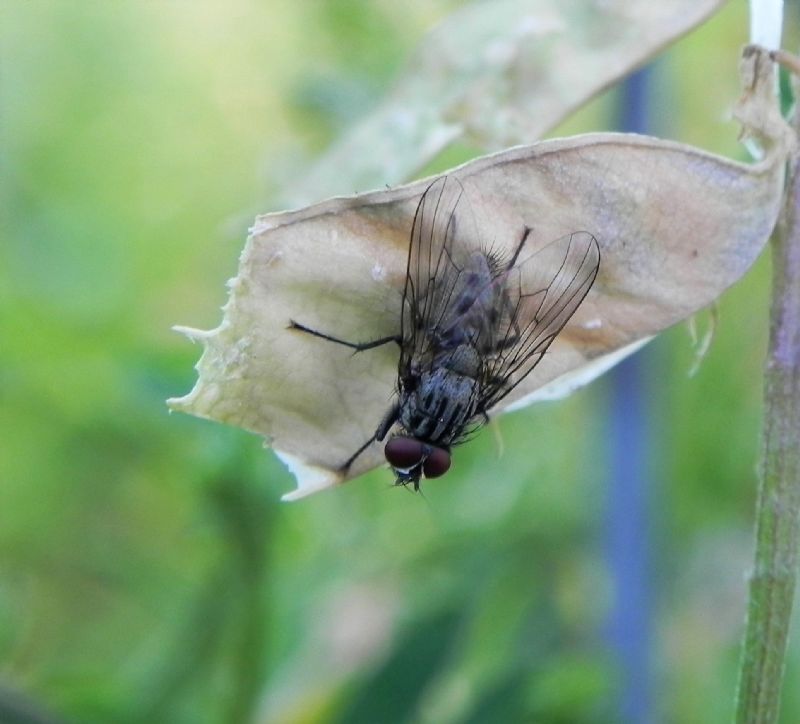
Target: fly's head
x=411, y=459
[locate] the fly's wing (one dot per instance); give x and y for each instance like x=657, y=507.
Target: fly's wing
x=541, y=293
x=443, y=236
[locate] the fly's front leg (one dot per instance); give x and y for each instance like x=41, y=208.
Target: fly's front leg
x=357, y=346
x=391, y=417
x=386, y=423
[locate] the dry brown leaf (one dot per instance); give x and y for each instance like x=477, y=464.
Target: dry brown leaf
x=676, y=227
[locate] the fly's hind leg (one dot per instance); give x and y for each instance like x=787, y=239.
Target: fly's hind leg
x=357, y=346
x=526, y=232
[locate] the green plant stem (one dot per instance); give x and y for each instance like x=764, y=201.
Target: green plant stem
x=773, y=581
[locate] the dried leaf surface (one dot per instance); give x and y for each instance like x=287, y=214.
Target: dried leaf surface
x=676, y=227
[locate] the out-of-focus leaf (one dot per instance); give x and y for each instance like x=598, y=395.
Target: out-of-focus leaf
x=676, y=227
x=702, y=343
x=497, y=74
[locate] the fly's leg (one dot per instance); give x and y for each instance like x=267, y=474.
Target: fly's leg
x=525, y=235
x=357, y=346
x=391, y=417
x=386, y=423
x=347, y=463
x=394, y=411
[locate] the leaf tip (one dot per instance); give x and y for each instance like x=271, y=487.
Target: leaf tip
x=309, y=478
x=195, y=335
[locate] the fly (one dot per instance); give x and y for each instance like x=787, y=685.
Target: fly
x=474, y=324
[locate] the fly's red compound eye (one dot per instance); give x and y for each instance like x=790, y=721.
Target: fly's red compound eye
x=403, y=452
x=437, y=463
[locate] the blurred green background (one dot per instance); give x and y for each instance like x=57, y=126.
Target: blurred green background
x=149, y=573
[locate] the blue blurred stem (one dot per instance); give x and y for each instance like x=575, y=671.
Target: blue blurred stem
x=628, y=542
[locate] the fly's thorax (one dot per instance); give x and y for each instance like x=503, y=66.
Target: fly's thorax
x=440, y=406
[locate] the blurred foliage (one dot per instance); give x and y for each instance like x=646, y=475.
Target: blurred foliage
x=149, y=572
